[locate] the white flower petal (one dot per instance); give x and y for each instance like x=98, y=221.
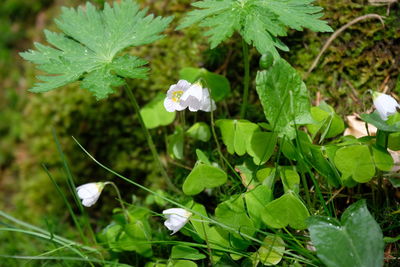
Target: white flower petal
x=89, y=193
x=385, y=105
x=176, y=219
x=194, y=91
x=170, y=105
x=173, y=100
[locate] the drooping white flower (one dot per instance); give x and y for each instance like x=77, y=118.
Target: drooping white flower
x=385, y=105
x=193, y=97
x=90, y=193
x=198, y=98
x=207, y=104
x=176, y=219
x=174, y=94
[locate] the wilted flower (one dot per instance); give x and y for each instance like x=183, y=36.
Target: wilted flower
x=89, y=193
x=385, y=105
x=183, y=95
x=173, y=100
x=176, y=219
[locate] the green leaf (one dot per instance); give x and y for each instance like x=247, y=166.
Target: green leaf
x=284, y=98
x=267, y=176
x=271, y=252
x=356, y=162
x=218, y=84
x=259, y=22
x=200, y=131
x=236, y=134
x=328, y=123
x=89, y=47
x=262, y=146
x=175, y=143
x=233, y=213
x=356, y=241
x=256, y=200
x=321, y=162
x=202, y=157
x=201, y=177
x=380, y=124
x=181, y=263
x=155, y=115
x=286, y=210
x=382, y=159
x=290, y=180
x=185, y=252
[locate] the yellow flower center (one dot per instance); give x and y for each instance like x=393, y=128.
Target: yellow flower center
x=176, y=96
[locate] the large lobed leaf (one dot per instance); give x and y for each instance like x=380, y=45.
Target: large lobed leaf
x=260, y=22
x=89, y=45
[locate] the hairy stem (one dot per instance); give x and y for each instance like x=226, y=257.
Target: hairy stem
x=150, y=140
x=246, y=81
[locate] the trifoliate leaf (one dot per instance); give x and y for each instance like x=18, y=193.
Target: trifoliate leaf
x=89, y=45
x=260, y=22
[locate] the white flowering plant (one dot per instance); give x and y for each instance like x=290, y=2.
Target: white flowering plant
x=247, y=179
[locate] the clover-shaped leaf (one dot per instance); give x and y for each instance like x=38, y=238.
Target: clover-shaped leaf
x=201, y=177
x=89, y=47
x=286, y=210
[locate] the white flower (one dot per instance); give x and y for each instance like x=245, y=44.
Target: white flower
x=207, y=104
x=173, y=100
x=90, y=193
x=176, y=219
x=197, y=98
x=193, y=97
x=385, y=105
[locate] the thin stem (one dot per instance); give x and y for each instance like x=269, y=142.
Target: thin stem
x=119, y=199
x=246, y=81
x=208, y=244
x=150, y=140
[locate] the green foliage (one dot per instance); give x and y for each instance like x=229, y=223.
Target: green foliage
x=201, y=177
x=218, y=84
x=380, y=124
x=356, y=241
x=132, y=236
x=357, y=162
x=328, y=123
x=200, y=131
x=256, y=200
x=236, y=134
x=89, y=46
x=271, y=252
x=184, y=252
x=286, y=210
x=262, y=146
x=154, y=113
x=175, y=143
x=259, y=22
x=284, y=98
x=233, y=214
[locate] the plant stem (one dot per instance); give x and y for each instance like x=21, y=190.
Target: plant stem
x=150, y=140
x=246, y=81
x=119, y=199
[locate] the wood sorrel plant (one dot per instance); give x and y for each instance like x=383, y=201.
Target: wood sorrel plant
x=264, y=168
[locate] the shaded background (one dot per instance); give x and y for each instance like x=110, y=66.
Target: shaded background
x=366, y=56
